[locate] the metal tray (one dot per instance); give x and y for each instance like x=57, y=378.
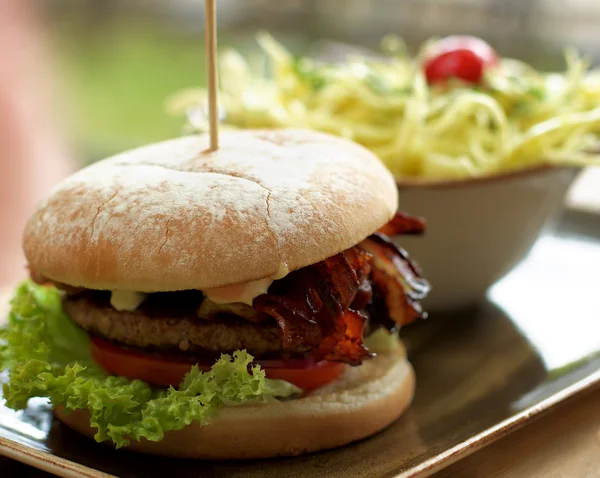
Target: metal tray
x=480, y=375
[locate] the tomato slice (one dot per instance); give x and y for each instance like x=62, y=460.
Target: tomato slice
x=309, y=378
x=459, y=56
x=164, y=371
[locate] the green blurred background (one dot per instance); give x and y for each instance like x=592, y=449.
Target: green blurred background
x=120, y=60
x=117, y=79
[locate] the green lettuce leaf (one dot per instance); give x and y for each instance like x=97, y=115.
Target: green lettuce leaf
x=383, y=341
x=47, y=355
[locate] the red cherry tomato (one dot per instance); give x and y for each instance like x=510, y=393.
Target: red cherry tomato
x=164, y=371
x=463, y=57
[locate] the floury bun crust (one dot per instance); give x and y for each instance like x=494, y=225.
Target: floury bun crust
x=363, y=401
x=171, y=216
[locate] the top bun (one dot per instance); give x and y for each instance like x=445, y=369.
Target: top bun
x=173, y=216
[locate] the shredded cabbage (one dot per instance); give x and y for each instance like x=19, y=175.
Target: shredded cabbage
x=47, y=355
x=519, y=117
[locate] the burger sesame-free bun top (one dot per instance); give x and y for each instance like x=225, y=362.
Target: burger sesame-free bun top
x=173, y=216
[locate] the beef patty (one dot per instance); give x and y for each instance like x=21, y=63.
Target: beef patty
x=181, y=333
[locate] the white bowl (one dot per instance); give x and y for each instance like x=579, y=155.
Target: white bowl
x=478, y=229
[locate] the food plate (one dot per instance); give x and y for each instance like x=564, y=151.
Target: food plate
x=480, y=375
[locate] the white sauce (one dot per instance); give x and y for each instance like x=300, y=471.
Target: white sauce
x=246, y=292
x=243, y=293
x=126, y=300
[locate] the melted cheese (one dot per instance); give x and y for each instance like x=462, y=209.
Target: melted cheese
x=126, y=300
x=246, y=292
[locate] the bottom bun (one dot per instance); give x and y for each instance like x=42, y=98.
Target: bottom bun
x=361, y=402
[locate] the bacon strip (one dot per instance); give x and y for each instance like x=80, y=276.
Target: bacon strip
x=318, y=305
x=313, y=306
x=403, y=223
x=397, y=279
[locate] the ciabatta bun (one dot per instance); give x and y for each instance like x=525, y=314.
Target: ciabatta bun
x=172, y=216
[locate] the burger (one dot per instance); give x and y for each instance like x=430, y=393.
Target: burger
x=228, y=304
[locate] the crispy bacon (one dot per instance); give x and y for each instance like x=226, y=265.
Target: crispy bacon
x=313, y=306
x=403, y=223
x=396, y=279
x=320, y=305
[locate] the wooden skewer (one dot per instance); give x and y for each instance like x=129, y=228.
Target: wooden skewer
x=211, y=71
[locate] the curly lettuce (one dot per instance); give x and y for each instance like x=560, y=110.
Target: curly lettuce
x=47, y=355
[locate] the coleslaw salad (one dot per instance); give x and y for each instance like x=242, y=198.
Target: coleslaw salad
x=514, y=117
